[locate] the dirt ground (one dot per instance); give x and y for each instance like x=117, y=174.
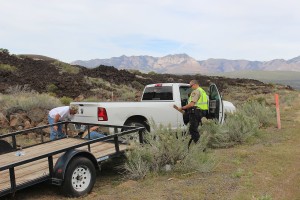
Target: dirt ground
x=267, y=168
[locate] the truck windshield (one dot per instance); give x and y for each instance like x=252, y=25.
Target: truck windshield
x=158, y=93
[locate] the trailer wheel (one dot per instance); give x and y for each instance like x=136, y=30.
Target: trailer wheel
x=80, y=177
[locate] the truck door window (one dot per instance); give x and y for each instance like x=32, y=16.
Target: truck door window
x=158, y=93
x=185, y=92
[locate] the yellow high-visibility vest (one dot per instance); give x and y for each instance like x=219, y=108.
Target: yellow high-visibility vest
x=202, y=102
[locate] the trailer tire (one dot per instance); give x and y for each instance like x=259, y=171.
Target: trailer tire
x=80, y=177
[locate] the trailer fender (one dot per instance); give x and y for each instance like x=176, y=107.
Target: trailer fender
x=63, y=161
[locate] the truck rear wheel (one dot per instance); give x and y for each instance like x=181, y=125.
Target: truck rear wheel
x=80, y=177
x=135, y=137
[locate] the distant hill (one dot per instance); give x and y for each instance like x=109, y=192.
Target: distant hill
x=173, y=64
x=291, y=78
x=184, y=64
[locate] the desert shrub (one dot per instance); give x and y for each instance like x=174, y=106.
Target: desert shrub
x=27, y=100
x=265, y=197
x=52, y=94
x=196, y=160
x=66, y=68
x=106, y=90
x=239, y=126
x=66, y=100
x=18, y=89
x=99, y=82
x=128, y=96
x=137, y=163
x=152, y=73
x=287, y=98
x=135, y=71
x=216, y=135
x=137, y=85
x=51, y=88
x=261, y=100
x=9, y=68
x=166, y=147
x=259, y=111
x=125, y=93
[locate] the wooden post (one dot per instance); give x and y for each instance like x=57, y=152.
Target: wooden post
x=277, y=111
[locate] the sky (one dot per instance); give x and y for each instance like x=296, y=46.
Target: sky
x=71, y=30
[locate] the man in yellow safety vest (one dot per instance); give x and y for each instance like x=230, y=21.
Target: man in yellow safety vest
x=197, y=108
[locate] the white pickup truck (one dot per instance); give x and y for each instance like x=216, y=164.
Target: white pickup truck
x=156, y=106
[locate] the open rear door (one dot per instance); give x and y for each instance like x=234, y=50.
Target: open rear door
x=216, y=107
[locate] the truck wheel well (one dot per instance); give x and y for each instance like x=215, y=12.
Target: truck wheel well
x=139, y=119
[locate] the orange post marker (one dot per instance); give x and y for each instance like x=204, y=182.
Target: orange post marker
x=277, y=111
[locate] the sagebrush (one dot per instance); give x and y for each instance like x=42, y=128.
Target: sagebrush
x=165, y=148
x=239, y=126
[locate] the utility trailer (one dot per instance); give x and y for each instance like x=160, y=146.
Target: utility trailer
x=70, y=163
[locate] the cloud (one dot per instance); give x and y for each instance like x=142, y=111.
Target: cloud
x=87, y=29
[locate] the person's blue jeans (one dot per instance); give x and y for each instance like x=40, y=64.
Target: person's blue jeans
x=55, y=134
x=94, y=135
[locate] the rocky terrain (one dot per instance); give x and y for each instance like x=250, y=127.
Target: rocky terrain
x=40, y=74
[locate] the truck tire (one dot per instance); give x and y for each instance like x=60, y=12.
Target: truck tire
x=80, y=177
x=135, y=137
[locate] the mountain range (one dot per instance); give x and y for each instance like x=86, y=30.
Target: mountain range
x=184, y=64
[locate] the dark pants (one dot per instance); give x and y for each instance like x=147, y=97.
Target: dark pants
x=195, y=116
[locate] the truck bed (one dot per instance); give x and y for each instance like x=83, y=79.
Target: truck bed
x=39, y=168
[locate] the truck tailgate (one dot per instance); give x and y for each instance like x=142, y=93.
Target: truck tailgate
x=87, y=112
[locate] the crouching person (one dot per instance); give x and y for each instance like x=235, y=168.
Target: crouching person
x=59, y=114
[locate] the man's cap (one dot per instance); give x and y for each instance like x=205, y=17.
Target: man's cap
x=74, y=108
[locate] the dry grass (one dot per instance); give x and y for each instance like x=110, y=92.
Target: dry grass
x=26, y=99
x=66, y=68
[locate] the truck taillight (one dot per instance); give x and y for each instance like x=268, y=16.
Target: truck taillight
x=158, y=85
x=102, y=115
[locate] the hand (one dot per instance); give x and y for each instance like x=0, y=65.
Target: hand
x=55, y=128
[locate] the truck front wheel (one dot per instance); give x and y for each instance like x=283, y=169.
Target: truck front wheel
x=80, y=177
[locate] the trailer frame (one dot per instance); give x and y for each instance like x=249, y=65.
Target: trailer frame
x=57, y=170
